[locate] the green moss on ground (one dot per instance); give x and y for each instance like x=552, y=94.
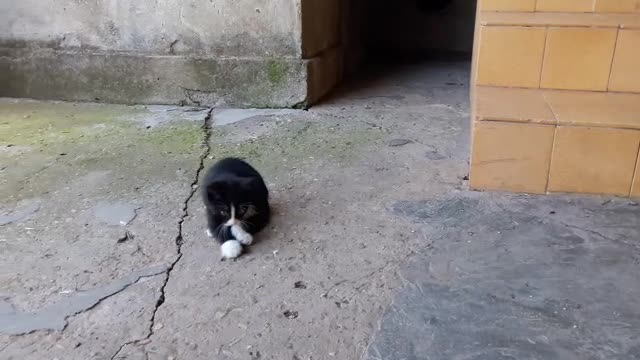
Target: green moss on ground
x=298, y=142
x=47, y=143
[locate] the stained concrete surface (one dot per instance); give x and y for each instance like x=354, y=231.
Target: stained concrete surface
x=377, y=250
x=55, y=316
x=517, y=277
x=225, y=28
x=244, y=53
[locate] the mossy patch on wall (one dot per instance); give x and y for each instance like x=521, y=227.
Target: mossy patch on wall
x=142, y=79
x=277, y=71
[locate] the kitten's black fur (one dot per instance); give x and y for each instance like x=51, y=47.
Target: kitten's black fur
x=233, y=182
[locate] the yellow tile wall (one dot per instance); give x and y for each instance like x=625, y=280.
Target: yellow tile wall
x=508, y=156
x=578, y=58
x=512, y=104
x=565, y=5
x=507, y=5
x=617, y=6
x=625, y=71
x=556, y=97
x=561, y=6
x=590, y=108
x=510, y=56
x=593, y=160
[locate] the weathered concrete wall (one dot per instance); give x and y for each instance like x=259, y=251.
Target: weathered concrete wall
x=241, y=52
x=189, y=27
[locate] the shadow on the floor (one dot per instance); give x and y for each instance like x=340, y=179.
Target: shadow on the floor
x=408, y=81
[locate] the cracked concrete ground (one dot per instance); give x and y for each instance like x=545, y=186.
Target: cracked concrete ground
x=376, y=250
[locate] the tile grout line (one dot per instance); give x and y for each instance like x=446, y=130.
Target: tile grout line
x=567, y=125
x=613, y=58
x=634, y=176
x=553, y=142
x=556, y=119
x=562, y=26
x=544, y=55
x=562, y=90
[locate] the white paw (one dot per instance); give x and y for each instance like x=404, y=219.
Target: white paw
x=230, y=249
x=245, y=239
x=209, y=233
x=242, y=236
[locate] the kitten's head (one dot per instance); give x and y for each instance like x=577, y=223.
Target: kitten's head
x=231, y=200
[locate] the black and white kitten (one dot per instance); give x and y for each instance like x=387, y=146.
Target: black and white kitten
x=237, y=203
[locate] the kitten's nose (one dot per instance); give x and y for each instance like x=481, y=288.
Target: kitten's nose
x=232, y=222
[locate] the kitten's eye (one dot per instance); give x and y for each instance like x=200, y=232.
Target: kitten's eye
x=245, y=211
x=224, y=213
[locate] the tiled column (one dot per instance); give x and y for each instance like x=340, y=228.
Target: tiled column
x=556, y=98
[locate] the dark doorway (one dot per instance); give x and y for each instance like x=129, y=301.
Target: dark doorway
x=380, y=38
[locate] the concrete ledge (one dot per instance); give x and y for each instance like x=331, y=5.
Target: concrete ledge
x=152, y=79
x=492, y=18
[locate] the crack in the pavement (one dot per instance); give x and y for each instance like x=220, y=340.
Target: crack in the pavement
x=55, y=317
x=206, y=128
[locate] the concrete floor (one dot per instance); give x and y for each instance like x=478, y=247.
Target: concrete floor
x=377, y=249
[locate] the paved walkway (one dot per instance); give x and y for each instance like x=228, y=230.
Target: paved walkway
x=376, y=251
